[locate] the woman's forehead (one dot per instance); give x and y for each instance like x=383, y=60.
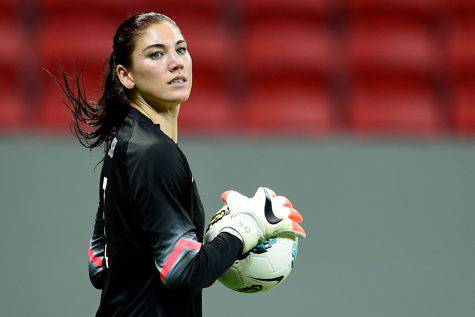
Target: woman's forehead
x=160, y=33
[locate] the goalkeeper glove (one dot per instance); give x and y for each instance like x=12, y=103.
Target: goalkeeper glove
x=273, y=214
x=255, y=219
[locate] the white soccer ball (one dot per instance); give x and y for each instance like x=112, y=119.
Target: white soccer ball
x=262, y=268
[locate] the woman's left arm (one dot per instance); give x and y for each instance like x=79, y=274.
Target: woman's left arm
x=158, y=183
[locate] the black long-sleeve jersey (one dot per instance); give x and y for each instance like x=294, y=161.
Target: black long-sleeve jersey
x=146, y=253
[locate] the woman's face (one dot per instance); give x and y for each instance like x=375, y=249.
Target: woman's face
x=161, y=66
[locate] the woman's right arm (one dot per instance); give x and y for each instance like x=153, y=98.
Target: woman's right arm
x=96, y=252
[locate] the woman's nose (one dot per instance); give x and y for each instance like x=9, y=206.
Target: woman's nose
x=175, y=62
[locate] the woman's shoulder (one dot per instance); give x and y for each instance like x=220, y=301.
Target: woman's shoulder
x=142, y=145
x=140, y=139
x=153, y=150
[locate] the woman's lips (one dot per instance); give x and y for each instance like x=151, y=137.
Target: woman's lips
x=177, y=80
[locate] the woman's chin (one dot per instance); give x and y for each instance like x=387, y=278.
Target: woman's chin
x=179, y=97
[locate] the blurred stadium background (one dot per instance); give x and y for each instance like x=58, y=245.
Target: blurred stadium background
x=361, y=111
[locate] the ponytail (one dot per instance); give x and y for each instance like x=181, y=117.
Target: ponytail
x=95, y=124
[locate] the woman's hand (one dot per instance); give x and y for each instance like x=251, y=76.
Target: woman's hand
x=255, y=219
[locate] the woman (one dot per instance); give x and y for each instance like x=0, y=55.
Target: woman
x=146, y=253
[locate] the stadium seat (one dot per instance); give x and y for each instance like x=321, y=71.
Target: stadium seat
x=210, y=8
x=208, y=39
x=12, y=31
x=12, y=65
x=289, y=109
x=67, y=36
x=122, y=9
x=461, y=7
x=262, y=9
x=12, y=110
x=208, y=111
x=289, y=48
x=401, y=108
x=78, y=4
x=212, y=61
x=12, y=39
x=54, y=114
x=288, y=63
x=461, y=47
x=119, y=9
x=380, y=46
x=401, y=8
x=9, y=7
x=463, y=110
x=67, y=42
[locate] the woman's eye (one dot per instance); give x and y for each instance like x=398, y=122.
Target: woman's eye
x=182, y=50
x=156, y=55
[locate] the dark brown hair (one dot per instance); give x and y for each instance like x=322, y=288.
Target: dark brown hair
x=97, y=123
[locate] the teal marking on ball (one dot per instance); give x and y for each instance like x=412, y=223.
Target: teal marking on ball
x=295, y=249
x=264, y=246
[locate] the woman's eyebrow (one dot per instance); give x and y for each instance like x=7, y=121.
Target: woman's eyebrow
x=157, y=45
x=163, y=46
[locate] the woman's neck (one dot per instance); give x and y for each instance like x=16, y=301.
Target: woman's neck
x=168, y=119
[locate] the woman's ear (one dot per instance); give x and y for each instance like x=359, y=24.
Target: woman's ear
x=125, y=77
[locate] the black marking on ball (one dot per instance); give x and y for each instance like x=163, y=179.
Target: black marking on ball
x=274, y=279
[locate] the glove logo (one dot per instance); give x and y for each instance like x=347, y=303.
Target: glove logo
x=243, y=225
x=219, y=216
x=268, y=212
x=223, y=212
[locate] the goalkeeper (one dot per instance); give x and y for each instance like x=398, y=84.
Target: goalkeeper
x=146, y=252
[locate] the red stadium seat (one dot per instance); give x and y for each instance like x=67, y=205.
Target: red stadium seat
x=66, y=41
x=122, y=9
x=12, y=110
x=463, y=110
x=208, y=111
x=401, y=108
x=208, y=39
x=289, y=48
x=461, y=47
x=66, y=36
x=54, y=114
x=78, y=4
x=172, y=8
x=380, y=46
x=401, y=8
x=261, y=9
x=462, y=7
x=12, y=66
x=287, y=109
x=10, y=6
x=288, y=64
x=119, y=9
x=13, y=41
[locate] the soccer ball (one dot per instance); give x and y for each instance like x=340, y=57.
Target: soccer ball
x=262, y=268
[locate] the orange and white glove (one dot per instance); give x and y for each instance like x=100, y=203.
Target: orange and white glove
x=240, y=225
x=256, y=219
x=273, y=214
